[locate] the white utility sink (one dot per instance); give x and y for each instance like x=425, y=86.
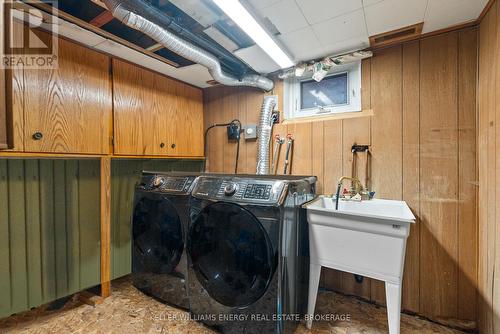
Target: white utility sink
x=367, y=238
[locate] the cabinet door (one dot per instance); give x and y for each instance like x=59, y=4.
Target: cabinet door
x=181, y=109
x=155, y=115
x=137, y=122
x=68, y=110
x=3, y=111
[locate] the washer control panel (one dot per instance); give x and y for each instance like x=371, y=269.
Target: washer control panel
x=258, y=191
x=165, y=183
x=239, y=189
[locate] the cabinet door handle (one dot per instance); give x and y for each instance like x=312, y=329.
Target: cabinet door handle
x=172, y=146
x=37, y=135
x=162, y=145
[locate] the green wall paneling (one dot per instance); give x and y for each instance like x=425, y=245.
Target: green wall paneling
x=125, y=173
x=49, y=230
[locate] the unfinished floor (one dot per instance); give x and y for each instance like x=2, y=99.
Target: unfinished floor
x=130, y=311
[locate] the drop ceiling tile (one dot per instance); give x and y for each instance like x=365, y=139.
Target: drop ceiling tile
x=353, y=44
x=195, y=74
x=445, y=13
x=370, y=2
x=303, y=44
x=285, y=15
x=389, y=15
x=197, y=10
x=321, y=10
x=220, y=38
x=259, y=4
x=257, y=59
x=341, y=28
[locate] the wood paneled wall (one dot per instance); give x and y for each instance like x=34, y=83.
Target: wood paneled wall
x=423, y=142
x=489, y=170
x=49, y=231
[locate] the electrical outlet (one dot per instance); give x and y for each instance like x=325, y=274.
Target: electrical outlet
x=250, y=131
x=276, y=117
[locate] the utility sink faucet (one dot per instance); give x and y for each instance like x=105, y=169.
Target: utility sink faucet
x=358, y=187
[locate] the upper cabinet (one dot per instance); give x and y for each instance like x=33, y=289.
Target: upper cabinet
x=69, y=109
x=3, y=111
x=155, y=115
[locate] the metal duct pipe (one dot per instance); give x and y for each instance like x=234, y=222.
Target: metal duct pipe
x=264, y=133
x=160, y=18
x=126, y=13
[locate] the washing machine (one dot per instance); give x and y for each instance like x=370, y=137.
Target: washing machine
x=159, y=228
x=248, y=252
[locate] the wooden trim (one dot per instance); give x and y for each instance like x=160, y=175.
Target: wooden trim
x=485, y=11
x=346, y=115
x=428, y=34
x=449, y=29
x=117, y=156
x=37, y=155
x=455, y=27
x=105, y=226
x=102, y=19
x=397, y=36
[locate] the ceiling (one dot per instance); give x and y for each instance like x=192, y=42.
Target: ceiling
x=306, y=29
x=315, y=28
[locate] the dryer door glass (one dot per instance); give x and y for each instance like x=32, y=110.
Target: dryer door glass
x=157, y=234
x=231, y=254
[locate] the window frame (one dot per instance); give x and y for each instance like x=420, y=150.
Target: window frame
x=293, y=94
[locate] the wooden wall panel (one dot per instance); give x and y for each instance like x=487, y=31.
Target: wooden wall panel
x=411, y=171
x=467, y=178
x=422, y=136
x=44, y=249
x=438, y=176
x=386, y=94
x=488, y=143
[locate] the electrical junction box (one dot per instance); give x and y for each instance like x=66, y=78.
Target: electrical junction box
x=250, y=132
x=233, y=132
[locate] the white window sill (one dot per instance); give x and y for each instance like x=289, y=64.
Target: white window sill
x=329, y=117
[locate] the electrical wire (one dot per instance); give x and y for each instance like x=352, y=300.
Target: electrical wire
x=215, y=125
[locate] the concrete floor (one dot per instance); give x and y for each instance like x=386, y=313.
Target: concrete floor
x=130, y=311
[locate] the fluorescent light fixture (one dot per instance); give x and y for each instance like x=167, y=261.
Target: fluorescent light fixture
x=239, y=14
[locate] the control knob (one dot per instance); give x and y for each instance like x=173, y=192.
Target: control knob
x=158, y=181
x=230, y=189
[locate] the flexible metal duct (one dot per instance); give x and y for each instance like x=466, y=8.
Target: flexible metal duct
x=264, y=133
x=124, y=11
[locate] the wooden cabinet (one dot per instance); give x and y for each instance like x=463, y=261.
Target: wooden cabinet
x=3, y=111
x=155, y=115
x=68, y=110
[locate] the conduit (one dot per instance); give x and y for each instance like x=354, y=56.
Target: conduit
x=127, y=12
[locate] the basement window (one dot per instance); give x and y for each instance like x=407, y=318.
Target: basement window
x=338, y=92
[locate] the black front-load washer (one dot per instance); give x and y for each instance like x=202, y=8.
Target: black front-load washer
x=159, y=227
x=248, y=252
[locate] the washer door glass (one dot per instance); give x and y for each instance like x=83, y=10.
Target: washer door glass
x=157, y=234
x=231, y=254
